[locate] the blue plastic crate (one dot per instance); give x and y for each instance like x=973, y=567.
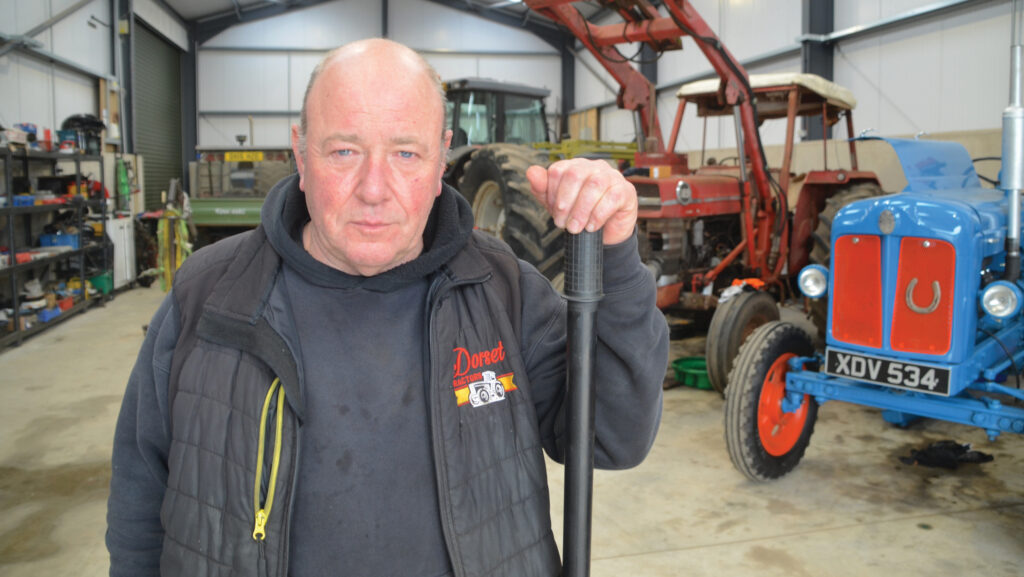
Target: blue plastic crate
x=23, y=200
x=59, y=240
x=47, y=315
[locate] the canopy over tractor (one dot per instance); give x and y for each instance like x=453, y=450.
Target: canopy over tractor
x=772, y=90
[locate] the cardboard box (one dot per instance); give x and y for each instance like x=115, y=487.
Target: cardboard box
x=24, y=322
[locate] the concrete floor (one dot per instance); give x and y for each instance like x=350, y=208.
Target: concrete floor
x=849, y=509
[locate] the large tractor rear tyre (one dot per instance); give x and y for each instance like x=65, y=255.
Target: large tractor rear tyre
x=494, y=182
x=731, y=324
x=764, y=441
x=821, y=253
x=822, y=249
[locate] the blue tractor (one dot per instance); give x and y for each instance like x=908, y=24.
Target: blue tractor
x=924, y=310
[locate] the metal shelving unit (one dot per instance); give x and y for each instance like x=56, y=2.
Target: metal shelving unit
x=12, y=159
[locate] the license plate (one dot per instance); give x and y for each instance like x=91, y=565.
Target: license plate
x=899, y=374
x=243, y=156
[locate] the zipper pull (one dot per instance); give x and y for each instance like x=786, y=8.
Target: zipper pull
x=260, y=531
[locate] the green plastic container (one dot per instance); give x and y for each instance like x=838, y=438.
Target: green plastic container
x=692, y=372
x=103, y=283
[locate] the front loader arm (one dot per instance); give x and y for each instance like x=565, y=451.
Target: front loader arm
x=635, y=91
x=765, y=221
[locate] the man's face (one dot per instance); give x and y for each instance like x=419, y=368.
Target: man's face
x=372, y=167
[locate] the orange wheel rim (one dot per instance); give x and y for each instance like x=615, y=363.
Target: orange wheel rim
x=779, y=430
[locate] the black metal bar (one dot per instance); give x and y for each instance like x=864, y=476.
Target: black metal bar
x=583, y=278
x=817, y=58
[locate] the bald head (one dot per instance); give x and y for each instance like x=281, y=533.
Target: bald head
x=374, y=54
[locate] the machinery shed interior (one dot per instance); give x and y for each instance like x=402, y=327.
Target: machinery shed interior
x=197, y=98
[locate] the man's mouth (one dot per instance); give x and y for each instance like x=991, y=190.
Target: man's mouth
x=371, y=226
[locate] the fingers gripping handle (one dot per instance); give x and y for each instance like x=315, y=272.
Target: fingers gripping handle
x=583, y=278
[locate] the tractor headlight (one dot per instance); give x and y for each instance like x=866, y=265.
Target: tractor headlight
x=813, y=281
x=1001, y=299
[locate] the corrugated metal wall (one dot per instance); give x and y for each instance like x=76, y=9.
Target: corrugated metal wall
x=157, y=91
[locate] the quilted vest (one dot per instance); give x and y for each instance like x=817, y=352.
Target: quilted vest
x=491, y=478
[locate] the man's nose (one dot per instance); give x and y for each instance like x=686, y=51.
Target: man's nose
x=373, y=186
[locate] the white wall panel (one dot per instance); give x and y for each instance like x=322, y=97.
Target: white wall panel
x=592, y=89
x=268, y=131
x=35, y=93
x=20, y=16
x=975, y=80
x=617, y=125
x=300, y=68
x=38, y=92
x=910, y=68
x=939, y=75
x=453, y=66
x=428, y=26
x=535, y=71
x=75, y=40
x=158, y=18
x=10, y=109
x=321, y=27
x=751, y=28
x=249, y=81
x=72, y=94
x=850, y=13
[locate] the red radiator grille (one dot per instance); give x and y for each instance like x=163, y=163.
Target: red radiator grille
x=857, y=290
x=922, y=320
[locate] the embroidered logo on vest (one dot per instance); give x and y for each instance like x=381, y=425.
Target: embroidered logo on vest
x=473, y=384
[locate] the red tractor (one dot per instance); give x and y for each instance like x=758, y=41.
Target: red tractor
x=704, y=227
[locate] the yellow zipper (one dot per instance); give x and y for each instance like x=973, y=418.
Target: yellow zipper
x=263, y=510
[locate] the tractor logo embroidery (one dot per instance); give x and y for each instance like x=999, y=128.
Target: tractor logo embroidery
x=936, y=297
x=475, y=382
x=489, y=390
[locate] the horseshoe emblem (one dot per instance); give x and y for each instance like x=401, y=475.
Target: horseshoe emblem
x=936, y=296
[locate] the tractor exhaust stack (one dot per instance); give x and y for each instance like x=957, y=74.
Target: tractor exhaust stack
x=1013, y=145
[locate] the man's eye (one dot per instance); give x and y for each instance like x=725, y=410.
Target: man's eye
x=343, y=152
x=406, y=154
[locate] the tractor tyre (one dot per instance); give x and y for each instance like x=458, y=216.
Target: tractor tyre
x=494, y=182
x=764, y=441
x=731, y=325
x=821, y=253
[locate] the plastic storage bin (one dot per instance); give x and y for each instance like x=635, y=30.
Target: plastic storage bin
x=103, y=283
x=692, y=372
x=59, y=240
x=47, y=315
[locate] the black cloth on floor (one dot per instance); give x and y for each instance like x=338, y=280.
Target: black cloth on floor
x=945, y=454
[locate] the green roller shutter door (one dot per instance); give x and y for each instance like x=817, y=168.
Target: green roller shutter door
x=157, y=93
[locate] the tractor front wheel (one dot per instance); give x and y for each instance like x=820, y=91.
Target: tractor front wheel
x=765, y=441
x=731, y=324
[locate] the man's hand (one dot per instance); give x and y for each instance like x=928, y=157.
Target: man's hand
x=586, y=194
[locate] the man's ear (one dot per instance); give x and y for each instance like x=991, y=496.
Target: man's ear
x=444, y=158
x=300, y=159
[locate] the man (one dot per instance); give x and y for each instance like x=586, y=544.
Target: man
x=364, y=385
